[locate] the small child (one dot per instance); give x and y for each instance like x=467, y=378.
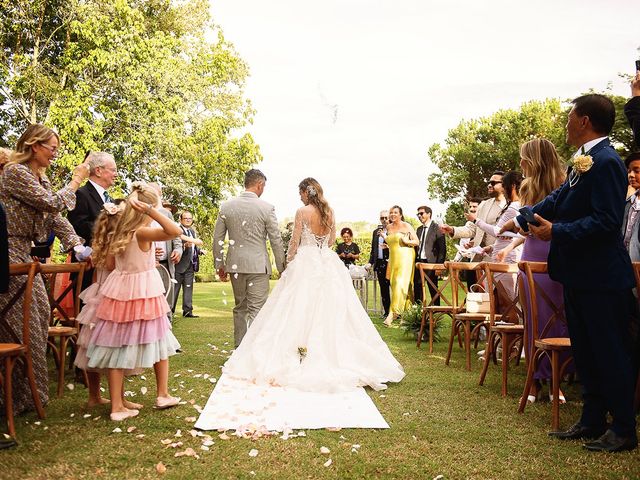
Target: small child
x=132, y=328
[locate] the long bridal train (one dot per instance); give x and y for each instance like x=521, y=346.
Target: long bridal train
x=307, y=355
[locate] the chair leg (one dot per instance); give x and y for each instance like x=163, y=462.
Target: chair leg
x=555, y=389
x=431, y=327
x=8, y=395
x=529, y=382
x=451, y=338
x=62, y=358
x=506, y=351
x=422, y=324
x=487, y=353
x=34, y=388
x=467, y=343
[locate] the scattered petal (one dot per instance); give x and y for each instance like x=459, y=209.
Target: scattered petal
x=383, y=396
x=140, y=436
x=116, y=430
x=190, y=419
x=328, y=463
x=205, y=376
x=212, y=380
x=325, y=451
x=251, y=284
x=302, y=434
x=160, y=468
x=220, y=242
x=333, y=429
x=131, y=429
x=414, y=437
x=72, y=415
x=178, y=433
x=142, y=377
x=204, y=447
x=224, y=436
x=176, y=375
x=189, y=452
x=70, y=386
x=37, y=423
x=232, y=242
x=96, y=418
x=253, y=452
x=166, y=441
x=208, y=443
x=143, y=390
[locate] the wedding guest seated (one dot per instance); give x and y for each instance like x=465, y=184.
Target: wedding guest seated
x=33, y=211
x=348, y=250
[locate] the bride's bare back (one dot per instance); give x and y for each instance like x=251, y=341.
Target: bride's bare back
x=309, y=230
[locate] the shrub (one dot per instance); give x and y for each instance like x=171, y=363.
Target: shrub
x=411, y=319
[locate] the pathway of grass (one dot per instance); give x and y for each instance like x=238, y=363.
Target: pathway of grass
x=442, y=423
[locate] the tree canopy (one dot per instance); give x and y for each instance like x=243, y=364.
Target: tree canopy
x=152, y=81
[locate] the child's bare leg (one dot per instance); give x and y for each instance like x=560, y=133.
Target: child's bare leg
x=95, y=396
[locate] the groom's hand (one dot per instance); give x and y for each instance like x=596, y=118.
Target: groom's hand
x=222, y=274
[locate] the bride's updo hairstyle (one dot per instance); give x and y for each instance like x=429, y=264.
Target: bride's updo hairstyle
x=316, y=198
x=131, y=219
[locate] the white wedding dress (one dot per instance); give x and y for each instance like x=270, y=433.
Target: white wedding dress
x=312, y=342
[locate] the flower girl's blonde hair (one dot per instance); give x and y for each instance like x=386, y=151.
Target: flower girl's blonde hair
x=131, y=219
x=103, y=230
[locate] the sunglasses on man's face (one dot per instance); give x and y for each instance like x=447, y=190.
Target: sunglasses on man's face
x=493, y=183
x=384, y=218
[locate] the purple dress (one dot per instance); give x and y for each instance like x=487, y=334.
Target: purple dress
x=536, y=250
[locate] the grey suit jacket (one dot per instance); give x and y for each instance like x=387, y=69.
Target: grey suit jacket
x=187, y=252
x=171, y=245
x=634, y=242
x=248, y=221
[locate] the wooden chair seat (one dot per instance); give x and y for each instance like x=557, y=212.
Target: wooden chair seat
x=10, y=353
x=558, y=343
x=58, y=331
x=511, y=327
x=10, y=349
x=472, y=317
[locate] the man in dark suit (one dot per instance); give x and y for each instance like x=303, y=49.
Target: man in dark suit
x=187, y=266
x=91, y=197
x=432, y=249
x=379, y=258
x=583, y=220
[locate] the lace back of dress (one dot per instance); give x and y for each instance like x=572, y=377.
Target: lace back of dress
x=309, y=238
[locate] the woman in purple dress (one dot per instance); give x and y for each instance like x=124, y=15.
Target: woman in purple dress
x=543, y=173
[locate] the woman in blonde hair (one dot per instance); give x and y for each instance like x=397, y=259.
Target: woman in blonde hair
x=132, y=328
x=33, y=212
x=313, y=333
x=544, y=172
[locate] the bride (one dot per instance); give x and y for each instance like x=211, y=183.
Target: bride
x=312, y=333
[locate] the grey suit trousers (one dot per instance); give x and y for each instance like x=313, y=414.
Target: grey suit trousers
x=250, y=291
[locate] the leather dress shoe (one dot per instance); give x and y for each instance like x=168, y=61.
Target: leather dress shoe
x=579, y=431
x=612, y=442
x=7, y=442
x=191, y=315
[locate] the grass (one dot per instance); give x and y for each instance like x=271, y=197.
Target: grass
x=442, y=423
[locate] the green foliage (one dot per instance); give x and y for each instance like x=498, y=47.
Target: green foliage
x=411, y=319
x=139, y=79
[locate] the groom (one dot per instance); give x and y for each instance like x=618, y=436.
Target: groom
x=583, y=219
x=249, y=220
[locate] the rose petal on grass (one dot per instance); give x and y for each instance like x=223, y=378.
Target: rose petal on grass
x=204, y=447
x=190, y=419
x=131, y=429
x=328, y=463
x=166, y=441
x=208, y=443
x=333, y=429
x=116, y=430
x=175, y=445
x=224, y=436
x=253, y=452
x=189, y=452
x=178, y=433
x=72, y=415
x=176, y=375
x=325, y=451
x=142, y=377
x=144, y=390
x=140, y=436
x=205, y=376
x=96, y=418
x=302, y=434
x=70, y=386
x=160, y=468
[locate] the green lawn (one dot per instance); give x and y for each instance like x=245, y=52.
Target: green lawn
x=442, y=423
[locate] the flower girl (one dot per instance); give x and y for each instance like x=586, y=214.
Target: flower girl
x=132, y=329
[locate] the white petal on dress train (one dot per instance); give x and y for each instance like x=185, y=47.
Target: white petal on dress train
x=268, y=382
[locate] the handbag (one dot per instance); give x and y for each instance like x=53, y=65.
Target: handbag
x=478, y=300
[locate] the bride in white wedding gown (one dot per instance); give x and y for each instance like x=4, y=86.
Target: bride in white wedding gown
x=311, y=348
x=312, y=333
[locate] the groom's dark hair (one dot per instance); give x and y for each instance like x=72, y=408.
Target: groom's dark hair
x=599, y=109
x=252, y=177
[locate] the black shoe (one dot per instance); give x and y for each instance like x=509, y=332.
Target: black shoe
x=612, y=442
x=7, y=443
x=190, y=315
x=579, y=431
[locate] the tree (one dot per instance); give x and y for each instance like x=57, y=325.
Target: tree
x=140, y=79
x=476, y=148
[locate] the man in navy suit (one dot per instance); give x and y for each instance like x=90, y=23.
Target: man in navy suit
x=91, y=197
x=432, y=249
x=583, y=220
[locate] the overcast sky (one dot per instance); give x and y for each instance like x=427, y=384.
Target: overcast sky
x=353, y=92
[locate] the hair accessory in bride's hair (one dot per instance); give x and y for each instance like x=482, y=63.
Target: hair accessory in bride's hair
x=138, y=186
x=110, y=208
x=311, y=191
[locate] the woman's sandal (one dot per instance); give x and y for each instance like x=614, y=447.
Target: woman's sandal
x=560, y=398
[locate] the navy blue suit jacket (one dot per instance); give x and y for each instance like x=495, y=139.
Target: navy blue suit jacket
x=587, y=251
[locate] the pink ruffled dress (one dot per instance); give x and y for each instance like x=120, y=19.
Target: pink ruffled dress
x=132, y=328
x=90, y=297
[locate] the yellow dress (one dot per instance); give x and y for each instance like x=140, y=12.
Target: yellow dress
x=401, y=268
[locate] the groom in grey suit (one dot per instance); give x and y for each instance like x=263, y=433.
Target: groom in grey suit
x=248, y=220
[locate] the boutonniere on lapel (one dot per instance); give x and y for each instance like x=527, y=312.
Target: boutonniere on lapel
x=579, y=164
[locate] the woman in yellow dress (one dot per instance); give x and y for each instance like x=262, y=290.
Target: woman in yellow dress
x=401, y=239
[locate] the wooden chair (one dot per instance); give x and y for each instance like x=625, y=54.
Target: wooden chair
x=63, y=326
x=11, y=352
x=464, y=323
x=542, y=345
x=501, y=331
x=636, y=400
x=430, y=310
